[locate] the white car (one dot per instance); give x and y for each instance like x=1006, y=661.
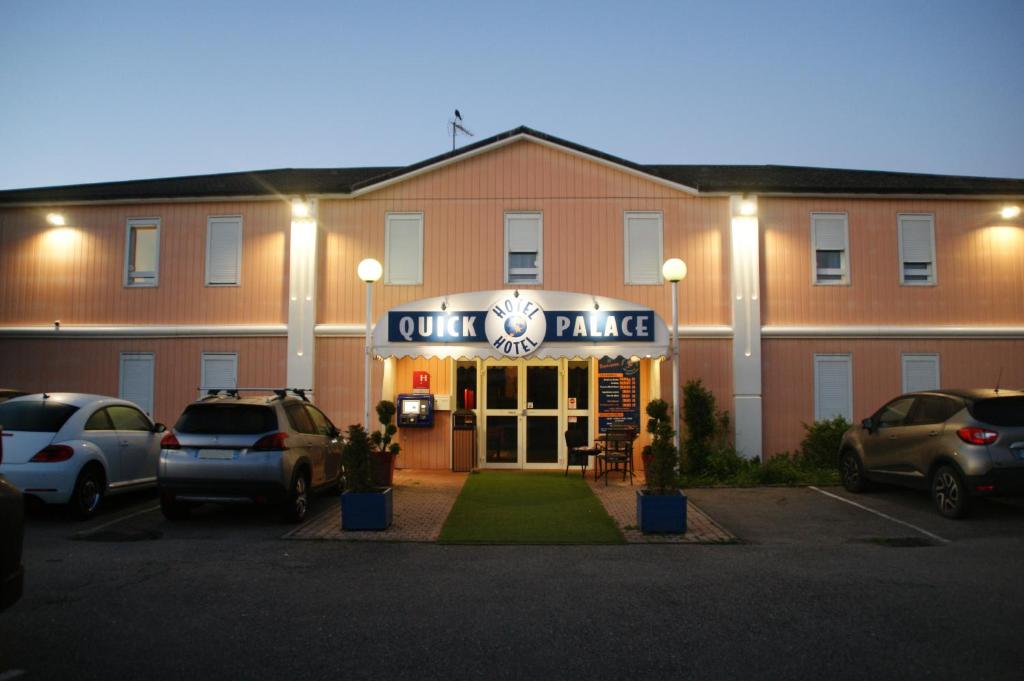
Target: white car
x=71, y=448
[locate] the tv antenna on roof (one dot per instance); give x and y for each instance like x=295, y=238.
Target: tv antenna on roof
x=455, y=125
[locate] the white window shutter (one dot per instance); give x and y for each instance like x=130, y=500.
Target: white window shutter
x=523, y=233
x=917, y=238
x=920, y=372
x=403, y=245
x=830, y=232
x=643, y=248
x=224, y=250
x=833, y=392
x=137, y=379
x=219, y=370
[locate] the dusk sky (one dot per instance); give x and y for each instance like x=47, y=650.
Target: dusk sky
x=96, y=91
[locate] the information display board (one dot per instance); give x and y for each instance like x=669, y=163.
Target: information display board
x=618, y=393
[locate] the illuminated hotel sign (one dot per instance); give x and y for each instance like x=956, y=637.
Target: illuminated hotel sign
x=511, y=321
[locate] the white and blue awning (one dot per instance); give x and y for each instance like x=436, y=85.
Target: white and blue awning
x=520, y=324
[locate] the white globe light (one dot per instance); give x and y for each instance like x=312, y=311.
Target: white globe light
x=674, y=269
x=369, y=270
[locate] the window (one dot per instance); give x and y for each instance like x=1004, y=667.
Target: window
x=224, y=251
x=833, y=387
x=643, y=248
x=403, y=248
x=142, y=257
x=219, y=370
x=465, y=385
x=99, y=421
x=895, y=413
x=226, y=419
x=524, y=258
x=830, y=244
x=137, y=379
x=931, y=409
x=299, y=419
x=920, y=372
x=917, y=250
x=321, y=423
x=128, y=418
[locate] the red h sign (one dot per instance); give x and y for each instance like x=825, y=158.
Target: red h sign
x=421, y=381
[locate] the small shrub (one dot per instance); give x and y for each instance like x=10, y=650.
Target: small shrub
x=381, y=439
x=707, y=431
x=782, y=469
x=820, y=446
x=661, y=473
x=355, y=460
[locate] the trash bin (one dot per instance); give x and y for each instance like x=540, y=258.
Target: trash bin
x=463, y=440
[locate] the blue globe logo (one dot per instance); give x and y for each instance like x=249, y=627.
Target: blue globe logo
x=515, y=326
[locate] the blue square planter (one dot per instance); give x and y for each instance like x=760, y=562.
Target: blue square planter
x=366, y=510
x=657, y=514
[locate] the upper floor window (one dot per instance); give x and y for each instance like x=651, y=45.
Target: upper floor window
x=224, y=250
x=643, y=247
x=142, y=257
x=524, y=257
x=830, y=248
x=403, y=248
x=917, y=249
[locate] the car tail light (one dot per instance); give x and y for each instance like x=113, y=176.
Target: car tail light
x=977, y=436
x=273, y=442
x=53, y=454
x=170, y=442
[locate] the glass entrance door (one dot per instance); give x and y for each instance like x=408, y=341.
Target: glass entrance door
x=541, y=412
x=523, y=413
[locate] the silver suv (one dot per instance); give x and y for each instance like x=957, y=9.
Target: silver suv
x=267, y=449
x=958, y=444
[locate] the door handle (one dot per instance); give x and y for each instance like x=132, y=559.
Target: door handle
x=124, y=442
x=933, y=433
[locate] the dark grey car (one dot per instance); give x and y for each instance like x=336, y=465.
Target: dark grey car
x=268, y=449
x=958, y=444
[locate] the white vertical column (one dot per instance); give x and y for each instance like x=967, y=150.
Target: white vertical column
x=746, y=324
x=302, y=298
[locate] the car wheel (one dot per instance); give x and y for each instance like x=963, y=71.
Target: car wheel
x=296, y=505
x=949, y=493
x=88, y=492
x=173, y=509
x=851, y=472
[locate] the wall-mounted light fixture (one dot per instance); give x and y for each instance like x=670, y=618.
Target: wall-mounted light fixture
x=56, y=219
x=1010, y=212
x=300, y=208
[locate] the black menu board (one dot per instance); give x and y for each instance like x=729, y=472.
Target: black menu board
x=618, y=393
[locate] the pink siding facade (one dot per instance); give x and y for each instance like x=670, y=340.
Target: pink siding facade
x=76, y=274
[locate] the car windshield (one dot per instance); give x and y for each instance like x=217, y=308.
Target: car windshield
x=43, y=416
x=226, y=419
x=1000, y=411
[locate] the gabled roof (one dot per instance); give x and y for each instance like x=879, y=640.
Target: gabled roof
x=698, y=179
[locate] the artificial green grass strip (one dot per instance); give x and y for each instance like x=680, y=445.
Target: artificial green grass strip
x=512, y=507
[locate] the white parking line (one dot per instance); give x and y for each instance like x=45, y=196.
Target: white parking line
x=881, y=515
x=94, y=530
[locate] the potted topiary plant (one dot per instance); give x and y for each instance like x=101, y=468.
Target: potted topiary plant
x=364, y=506
x=382, y=460
x=661, y=505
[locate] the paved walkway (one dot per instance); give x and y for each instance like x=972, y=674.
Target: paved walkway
x=422, y=501
x=619, y=499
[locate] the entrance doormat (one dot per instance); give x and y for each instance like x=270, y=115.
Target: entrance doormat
x=513, y=507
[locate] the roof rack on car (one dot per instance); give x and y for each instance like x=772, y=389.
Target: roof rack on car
x=281, y=393
x=298, y=392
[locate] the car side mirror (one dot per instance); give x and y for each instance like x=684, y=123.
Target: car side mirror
x=159, y=428
x=868, y=424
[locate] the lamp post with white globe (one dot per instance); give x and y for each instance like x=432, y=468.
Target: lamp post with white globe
x=674, y=270
x=369, y=270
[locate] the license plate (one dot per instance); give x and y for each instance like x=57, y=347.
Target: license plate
x=216, y=453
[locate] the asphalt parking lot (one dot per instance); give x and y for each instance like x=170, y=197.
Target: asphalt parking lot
x=817, y=588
